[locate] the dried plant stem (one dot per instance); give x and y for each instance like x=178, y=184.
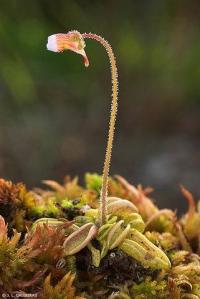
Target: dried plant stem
x=114, y=104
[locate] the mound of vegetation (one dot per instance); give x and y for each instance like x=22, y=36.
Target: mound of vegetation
x=52, y=244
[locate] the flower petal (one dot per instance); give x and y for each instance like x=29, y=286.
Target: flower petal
x=72, y=40
x=52, y=43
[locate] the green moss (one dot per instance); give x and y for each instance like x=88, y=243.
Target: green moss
x=66, y=204
x=42, y=249
x=38, y=210
x=148, y=288
x=93, y=181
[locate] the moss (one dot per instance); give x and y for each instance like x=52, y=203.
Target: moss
x=149, y=288
x=93, y=181
x=127, y=257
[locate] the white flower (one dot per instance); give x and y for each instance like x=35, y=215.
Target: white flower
x=52, y=43
x=72, y=40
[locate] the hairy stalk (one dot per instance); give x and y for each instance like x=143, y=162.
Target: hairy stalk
x=114, y=104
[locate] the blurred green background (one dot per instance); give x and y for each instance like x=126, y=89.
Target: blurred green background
x=54, y=112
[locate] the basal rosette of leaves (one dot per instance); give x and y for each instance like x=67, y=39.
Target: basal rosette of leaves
x=134, y=254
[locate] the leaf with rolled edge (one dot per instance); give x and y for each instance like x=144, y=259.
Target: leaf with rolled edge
x=104, y=249
x=80, y=238
x=96, y=255
x=115, y=231
x=136, y=251
x=135, y=221
x=111, y=234
x=48, y=221
x=104, y=229
x=117, y=235
x=69, y=226
x=127, y=211
x=140, y=248
x=120, y=207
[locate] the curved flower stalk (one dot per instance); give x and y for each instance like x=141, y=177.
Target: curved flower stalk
x=74, y=41
x=118, y=220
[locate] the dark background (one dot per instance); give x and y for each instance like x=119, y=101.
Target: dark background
x=54, y=112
